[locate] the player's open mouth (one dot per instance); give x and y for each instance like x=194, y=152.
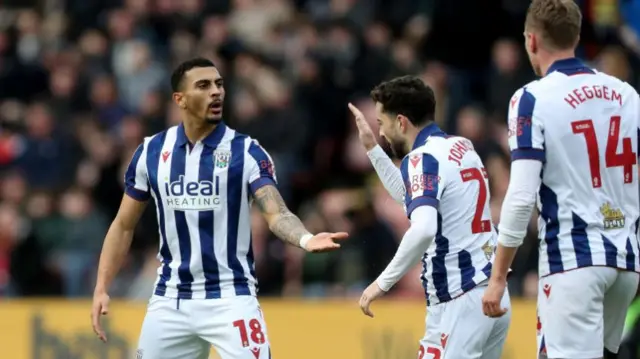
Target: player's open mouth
x=215, y=107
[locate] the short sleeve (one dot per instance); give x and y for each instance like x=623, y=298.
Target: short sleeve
x=261, y=168
x=136, y=181
x=423, y=181
x=526, y=133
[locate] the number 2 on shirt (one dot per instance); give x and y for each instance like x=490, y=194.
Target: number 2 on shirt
x=478, y=225
x=627, y=159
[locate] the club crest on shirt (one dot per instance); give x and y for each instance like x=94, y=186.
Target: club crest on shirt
x=222, y=158
x=139, y=353
x=488, y=250
x=613, y=218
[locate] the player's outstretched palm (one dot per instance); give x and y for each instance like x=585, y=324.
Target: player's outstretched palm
x=325, y=242
x=365, y=133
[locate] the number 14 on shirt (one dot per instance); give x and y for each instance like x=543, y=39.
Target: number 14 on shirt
x=627, y=159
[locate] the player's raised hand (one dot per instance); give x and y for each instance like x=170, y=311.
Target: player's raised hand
x=100, y=308
x=325, y=242
x=492, y=298
x=365, y=133
x=370, y=294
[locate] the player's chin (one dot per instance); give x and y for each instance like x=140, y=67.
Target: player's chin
x=398, y=151
x=214, y=118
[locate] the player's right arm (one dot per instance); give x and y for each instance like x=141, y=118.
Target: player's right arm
x=118, y=239
x=389, y=174
x=526, y=141
x=424, y=184
x=422, y=176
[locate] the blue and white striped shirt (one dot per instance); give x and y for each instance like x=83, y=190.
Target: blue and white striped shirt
x=583, y=125
x=202, y=194
x=446, y=173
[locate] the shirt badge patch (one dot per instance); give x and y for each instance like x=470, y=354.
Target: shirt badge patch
x=222, y=158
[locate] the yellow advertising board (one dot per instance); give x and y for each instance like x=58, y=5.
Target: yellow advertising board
x=310, y=330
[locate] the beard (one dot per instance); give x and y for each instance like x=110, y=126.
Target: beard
x=398, y=149
x=200, y=109
x=213, y=120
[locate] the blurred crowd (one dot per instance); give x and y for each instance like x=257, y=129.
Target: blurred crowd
x=83, y=81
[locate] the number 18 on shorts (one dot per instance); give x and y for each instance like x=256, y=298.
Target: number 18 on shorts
x=234, y=327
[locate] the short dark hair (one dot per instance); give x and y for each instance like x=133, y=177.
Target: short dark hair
x=408, y=96
x=558, y=21
x=183, y=68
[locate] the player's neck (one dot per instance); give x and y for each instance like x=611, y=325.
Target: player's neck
x=412, y=134
x=197, y=130
x=550, y=58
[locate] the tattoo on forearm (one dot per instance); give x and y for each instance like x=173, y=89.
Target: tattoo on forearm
x=286, y=225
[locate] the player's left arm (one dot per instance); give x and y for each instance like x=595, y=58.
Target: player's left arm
x=282, y=222
x=416, y=241
x=515, y=214
x=526, y=141
x=423, y=185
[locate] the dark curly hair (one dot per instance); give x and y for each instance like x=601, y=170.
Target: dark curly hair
x=408, y=96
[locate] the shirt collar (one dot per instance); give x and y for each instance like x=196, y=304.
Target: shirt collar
x=212, y=140
x=570, y=66
x=429, y=130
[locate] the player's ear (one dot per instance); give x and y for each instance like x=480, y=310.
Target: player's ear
x=179, y=99
x=403, y=122
x=533, y=43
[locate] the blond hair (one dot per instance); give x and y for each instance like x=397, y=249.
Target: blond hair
x=557, y=21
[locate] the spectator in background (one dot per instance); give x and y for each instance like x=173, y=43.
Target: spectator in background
x=48, y=157
x=32, y=272
x=506, y=75
x=76, y=250
x=630, y=30
x=139, y=75
x=13, y=189
x=613, y=61
x=106, y=102
x=9, y=237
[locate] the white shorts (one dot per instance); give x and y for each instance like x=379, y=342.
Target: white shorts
x=173, y=329
x=458, y=329
x=582, y=311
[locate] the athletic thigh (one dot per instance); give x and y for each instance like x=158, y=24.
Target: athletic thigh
x=235, y=327
x=616, y=304
x=570, y=311
x=166, y=333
